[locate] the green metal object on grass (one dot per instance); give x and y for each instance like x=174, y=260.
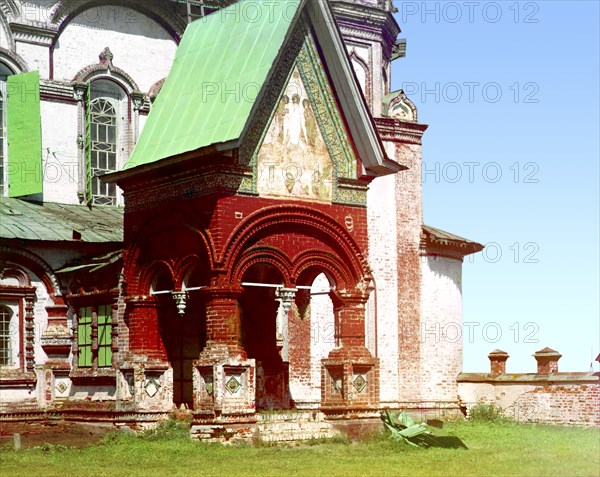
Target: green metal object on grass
x=404, y=429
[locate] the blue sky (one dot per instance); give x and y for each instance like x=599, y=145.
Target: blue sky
x=511, y=93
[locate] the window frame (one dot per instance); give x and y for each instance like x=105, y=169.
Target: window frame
x=97, y=343
x=103, y=194
x=21, y=299
x=7, y=351
x=125, y=133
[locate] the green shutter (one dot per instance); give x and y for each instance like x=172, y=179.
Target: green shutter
x=24, y=126
x=84, y=337
x=104, y=336
x=88, y=147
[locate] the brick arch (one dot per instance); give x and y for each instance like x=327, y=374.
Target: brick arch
x=139, y=255
x=112, y=73
x=21, y=259
x=153, y=271
x=350, y=265
x=312, y=263
x=13, y=61
x=64, y=11
x=155, y=89
x=189, y=265
x=22, y=277
x=263, y=255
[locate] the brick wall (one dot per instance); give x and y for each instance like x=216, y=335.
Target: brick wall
x=553, y=398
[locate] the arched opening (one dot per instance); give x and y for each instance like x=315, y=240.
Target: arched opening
x=361, y=69
x=264, y=335
x=312, y=335
x=108, y=136
x=182, y=327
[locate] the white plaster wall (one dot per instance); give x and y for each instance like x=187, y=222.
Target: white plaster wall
x=60, y=152
x=94, y=393
x=142, y=122
x=322, y=327
x=4, y=34
x=36, y=57
x=383, y=302
x=441, y=327
x=141, y=47
x=19, y=395
x=361, y=75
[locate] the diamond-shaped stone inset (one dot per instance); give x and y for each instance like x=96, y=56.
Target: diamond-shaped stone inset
x=61, y=387
x=152, y=387
x=360, y=383
x=233, y=385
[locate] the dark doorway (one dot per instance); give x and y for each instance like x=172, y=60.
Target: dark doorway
x=259, y=313
x=183, y=338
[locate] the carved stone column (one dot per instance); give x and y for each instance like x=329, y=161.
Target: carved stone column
x=285, y=297
x=80, y=95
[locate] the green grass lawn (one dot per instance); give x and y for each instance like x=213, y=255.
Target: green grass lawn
x=495, y=449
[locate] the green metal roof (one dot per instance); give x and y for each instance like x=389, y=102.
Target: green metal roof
x=219, y=68
x=20, y=219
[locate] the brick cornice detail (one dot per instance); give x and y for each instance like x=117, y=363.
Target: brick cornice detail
x=391, y=129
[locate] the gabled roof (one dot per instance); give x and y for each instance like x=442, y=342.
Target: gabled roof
x=220, y=72
x=52, y=222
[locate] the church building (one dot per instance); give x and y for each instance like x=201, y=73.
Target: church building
x=214, y=208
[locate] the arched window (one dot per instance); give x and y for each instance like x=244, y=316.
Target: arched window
x=6, y=351
x=103, y=149
x=108, y=120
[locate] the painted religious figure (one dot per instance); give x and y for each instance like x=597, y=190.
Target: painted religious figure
x=293, y=160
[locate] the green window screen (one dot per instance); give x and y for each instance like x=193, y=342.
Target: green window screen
x=104, y=336
x=24, y=131
x=84, y=337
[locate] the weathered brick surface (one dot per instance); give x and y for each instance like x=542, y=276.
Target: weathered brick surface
x=548, y=396
x=440, y=334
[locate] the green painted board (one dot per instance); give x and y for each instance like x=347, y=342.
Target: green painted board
x=219, y=68
x=84, y=337
x=24, y=135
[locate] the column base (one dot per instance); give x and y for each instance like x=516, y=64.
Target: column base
x=349, y=382
x=224, y=381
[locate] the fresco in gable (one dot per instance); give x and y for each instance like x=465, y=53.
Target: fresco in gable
x=293, y=160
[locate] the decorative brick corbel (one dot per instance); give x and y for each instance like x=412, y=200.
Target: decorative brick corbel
x=138, y=100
